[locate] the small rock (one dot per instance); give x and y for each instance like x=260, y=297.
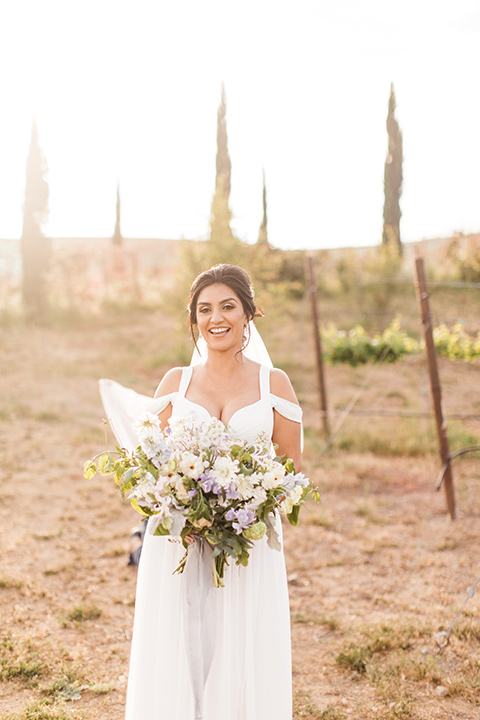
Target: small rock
x=441, y=691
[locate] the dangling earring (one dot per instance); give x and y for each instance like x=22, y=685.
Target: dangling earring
x=246, y=335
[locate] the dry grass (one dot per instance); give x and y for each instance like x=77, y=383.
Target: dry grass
x=375, y=571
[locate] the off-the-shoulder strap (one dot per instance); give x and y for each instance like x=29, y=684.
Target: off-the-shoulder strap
x=288, y=409
x=185, y=380
x=158, y=404
x=264, y=381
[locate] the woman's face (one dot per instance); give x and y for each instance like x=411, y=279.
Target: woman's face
x=220, y=317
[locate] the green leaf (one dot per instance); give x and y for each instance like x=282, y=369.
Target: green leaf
x=235, y=451
x=127, y=477
x=293, y=516
x=246, y=469
x=103, y=462
x=161, y=530
x=119, y=470
x=290, y=466
x=89, y=469
x=140, y=509
x=200, y=507
x=315, y=495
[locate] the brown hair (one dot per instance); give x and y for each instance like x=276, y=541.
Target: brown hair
x=237, y=280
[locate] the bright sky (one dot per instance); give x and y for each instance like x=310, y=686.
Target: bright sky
x=129, y=90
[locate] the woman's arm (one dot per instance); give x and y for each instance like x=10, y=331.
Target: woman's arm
x=287, y=434
x=169, y=384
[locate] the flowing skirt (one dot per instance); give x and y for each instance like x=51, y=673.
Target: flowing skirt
x=250, y=673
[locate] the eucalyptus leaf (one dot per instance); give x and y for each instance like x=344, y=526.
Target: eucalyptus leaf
x=273, y=539
x=178, y=523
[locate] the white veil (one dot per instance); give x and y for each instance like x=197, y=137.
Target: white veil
x=255, y=349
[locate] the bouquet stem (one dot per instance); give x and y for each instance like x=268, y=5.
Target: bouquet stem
x=218, y=570
x=182, y=563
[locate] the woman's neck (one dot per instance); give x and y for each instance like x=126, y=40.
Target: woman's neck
x=225, y=363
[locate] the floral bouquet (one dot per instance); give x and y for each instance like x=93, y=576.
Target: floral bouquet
x=198, y=480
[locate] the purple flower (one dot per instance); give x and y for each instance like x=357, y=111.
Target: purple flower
x=217, y=489
x=206, y=482
x=243, y=518
x=231, y=493
x=192, y=493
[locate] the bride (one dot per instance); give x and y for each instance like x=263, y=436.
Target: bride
x=236, y=665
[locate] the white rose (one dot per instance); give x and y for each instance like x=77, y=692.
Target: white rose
x=271, y=480
x=191, y=465
x=223, y=471
x=259, y=496
x=244, y=488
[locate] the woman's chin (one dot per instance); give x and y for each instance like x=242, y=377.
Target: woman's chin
x=222, y=345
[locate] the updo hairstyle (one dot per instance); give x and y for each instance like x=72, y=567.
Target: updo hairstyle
x=237, y=280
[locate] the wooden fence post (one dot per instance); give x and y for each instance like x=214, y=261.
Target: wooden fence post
x=312, y=288
x=441, y=420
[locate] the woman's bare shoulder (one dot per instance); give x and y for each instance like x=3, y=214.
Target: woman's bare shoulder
x=170, y=382
x=280, y=385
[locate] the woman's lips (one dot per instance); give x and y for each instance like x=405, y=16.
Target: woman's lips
x=218, y=332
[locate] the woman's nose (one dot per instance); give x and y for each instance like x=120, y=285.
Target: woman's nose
x=217, y=315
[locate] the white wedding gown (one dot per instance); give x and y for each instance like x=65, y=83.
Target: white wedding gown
x=250, y=673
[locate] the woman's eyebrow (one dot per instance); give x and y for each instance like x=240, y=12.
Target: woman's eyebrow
x=221, y=301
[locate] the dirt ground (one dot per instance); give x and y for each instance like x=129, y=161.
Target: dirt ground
x=375, y=571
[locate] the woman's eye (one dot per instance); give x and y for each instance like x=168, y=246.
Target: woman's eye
x=204, y=310
x=228, y=307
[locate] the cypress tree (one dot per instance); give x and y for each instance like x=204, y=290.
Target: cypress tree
x=224, y=165
x=263, y=234
x=35, y=247
x=393, y=180
x=223, y=246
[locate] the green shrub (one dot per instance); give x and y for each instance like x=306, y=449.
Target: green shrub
x=357, y=347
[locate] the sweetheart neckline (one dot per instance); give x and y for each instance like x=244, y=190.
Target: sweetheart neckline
x=192, y=402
